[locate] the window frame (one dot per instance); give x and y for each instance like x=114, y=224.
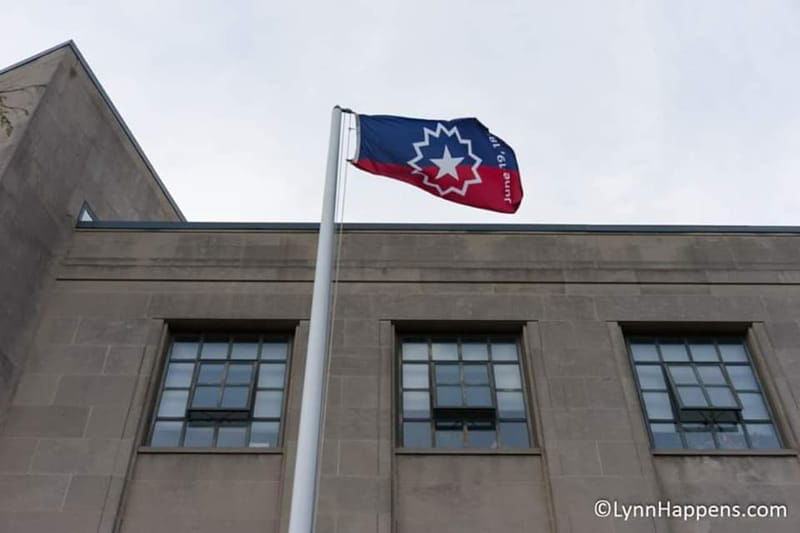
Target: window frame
x=459, y=338
x=655, y=339
x=213, y=420
x=690, y=414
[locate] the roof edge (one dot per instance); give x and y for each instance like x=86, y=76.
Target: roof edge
x=34, y=57
x=476, y=228
x=104, y=95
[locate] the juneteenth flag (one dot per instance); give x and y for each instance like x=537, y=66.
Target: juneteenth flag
x=459, y=160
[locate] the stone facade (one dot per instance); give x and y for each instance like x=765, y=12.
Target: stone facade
x=73, y=441
x=63, y=144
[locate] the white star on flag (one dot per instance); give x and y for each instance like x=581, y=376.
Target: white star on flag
x=447, y=164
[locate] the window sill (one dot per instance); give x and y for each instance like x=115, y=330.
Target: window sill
x=467, y=451
x=214, y=451
x=779, y=452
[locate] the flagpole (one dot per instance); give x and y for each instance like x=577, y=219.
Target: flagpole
x=301, y=515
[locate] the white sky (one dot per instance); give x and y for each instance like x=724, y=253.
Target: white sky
x=620, y=111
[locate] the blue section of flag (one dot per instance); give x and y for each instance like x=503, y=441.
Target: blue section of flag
x=387, y=139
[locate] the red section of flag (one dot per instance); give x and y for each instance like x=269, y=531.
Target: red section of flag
x=499, y=190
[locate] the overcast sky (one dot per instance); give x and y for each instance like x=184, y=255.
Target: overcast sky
x=626, y=111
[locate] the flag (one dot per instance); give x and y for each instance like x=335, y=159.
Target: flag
x=459, y=160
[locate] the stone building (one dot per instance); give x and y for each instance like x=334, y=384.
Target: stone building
x=482, y=378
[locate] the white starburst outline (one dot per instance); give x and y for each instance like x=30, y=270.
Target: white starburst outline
x=440, y=128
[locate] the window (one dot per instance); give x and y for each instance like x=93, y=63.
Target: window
x=701, y=393
x=86, y=214
x=462, y=393
x=221, y=391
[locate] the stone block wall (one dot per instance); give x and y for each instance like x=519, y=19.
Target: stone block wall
x=73, y=449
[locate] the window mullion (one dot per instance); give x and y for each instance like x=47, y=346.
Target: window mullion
x=702, y=385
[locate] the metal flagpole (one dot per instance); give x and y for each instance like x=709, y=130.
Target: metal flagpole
x=301, y=515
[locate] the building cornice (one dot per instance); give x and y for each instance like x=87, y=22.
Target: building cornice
x=456, y=227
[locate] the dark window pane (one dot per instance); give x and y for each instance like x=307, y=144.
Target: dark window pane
x=449, y=435
x=476, y=374
x=205, y=397
x=271, y=375
x=754, y=408
x=711, y=375
x=458, y=379
x=221, y=379
x=504, y=351
x=415, y=351
x=239, y=374
x=444, y=351
x=644, y=351
x=448, y=396
x=692, y=397
x=448, y=374
x=415, y=376
x=167, y=434
x=510, y=405
x=245, y=350
x=703, y=388
x=703, y=351
x=179, y=375
x=507, y=377
x=173, y=403
x=478, y=396
x=416, y=435
x=657, y=405
x=742, y=377
x=416, y=404
x=182, y=350
x=733, y=352
x=264, y=435
x=763, y=436
x=674, y=351
x=274, y=350
x=731, y=436
x=268, y=404
x=698, y=436
x=235, y=397
x=214, y=349
x=514, y=434
x=232, y=436
x=665, y=436
x=682, y=375
x=211, y=373
x=651, y=377
x=481, y=435
x=474, y=351
x=721, y=397
x=199, y=436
